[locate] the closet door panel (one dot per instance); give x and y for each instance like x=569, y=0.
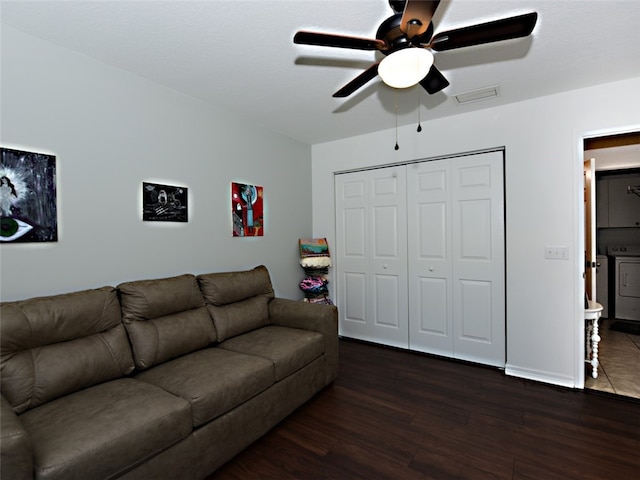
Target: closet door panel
x=388, y=237
x=353, y=256
x=356, y=298
x=387, y=279
x=433, y=326
x=385, y=232
x=478, y=259
x=371, y=255
x=429, y=268
x=354, y=233
x=387, y=301
x=432, y=230
x=475, y=231
x=475, y=304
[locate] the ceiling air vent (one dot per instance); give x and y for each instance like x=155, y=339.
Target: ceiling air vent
x=477, y=95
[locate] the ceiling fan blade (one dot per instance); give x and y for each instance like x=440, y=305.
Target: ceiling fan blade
x=417, y=16
x=434, y=81
x=498, y=30
x=340, y=41
x=369, y=74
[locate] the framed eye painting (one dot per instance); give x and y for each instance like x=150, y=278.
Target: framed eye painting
x=247, y=204
x=28, y=208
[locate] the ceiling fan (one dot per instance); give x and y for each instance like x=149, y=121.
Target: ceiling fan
x=406, y=39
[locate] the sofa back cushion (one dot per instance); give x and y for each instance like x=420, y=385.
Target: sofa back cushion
x=165, y=318
x=53, y=346
x=237, y=301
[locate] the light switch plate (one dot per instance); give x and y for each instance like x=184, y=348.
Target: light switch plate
x=556, y=252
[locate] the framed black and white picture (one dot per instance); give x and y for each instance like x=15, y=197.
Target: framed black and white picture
x=164, y=203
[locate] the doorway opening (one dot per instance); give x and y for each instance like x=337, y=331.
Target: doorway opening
x=614, y=234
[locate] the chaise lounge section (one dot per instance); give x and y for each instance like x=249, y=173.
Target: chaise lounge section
x=164, y=378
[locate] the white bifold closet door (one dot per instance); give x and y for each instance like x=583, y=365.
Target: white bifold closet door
x=456, y=258
x=420, y=257
x=371, y=218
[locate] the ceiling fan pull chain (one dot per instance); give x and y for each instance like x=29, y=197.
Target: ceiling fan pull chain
x=419, y=126
x=397, y=147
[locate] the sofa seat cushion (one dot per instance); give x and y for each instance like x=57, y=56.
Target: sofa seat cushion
x=104, y=430
x=289, y=349
x=212, y=380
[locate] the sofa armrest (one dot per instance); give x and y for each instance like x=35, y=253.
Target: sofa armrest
x=16, y=457
x=319, y=318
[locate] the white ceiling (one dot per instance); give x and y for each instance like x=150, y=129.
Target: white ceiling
x=615, y=158
x=239, y=55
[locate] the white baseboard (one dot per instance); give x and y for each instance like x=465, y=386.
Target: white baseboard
x=540, y=376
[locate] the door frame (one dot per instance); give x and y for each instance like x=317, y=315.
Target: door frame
x=579, y=290
x=589, y=186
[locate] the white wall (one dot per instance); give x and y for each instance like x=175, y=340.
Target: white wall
x=543, y=175
x=110, y=131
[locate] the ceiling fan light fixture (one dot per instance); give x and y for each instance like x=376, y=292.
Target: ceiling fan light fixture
x=406, y=67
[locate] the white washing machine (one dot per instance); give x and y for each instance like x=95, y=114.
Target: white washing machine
x=602, y=283
x=626, y=281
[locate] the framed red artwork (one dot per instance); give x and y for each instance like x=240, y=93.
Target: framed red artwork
x=247, y=210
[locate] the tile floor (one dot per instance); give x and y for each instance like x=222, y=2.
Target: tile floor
x=619, y=356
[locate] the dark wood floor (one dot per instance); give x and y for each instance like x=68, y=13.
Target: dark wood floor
x=398, y=415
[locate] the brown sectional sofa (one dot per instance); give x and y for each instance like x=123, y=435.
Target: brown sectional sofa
x=165, y=378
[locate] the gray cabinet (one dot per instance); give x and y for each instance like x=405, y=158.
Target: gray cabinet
x=617, y=204
x=602, y=203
